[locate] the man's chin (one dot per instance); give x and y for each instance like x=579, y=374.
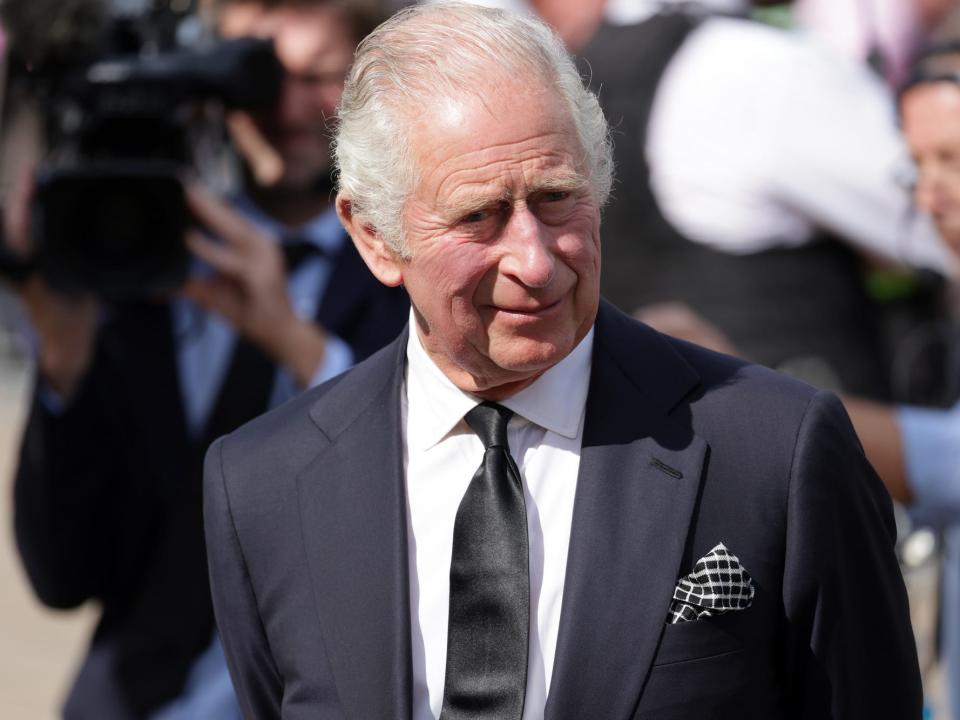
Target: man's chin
x=950, y=232
x=296, y=181
x=527, y=356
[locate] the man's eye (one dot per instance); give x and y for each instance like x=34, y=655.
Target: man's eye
x=476, y=216
x=554, y=206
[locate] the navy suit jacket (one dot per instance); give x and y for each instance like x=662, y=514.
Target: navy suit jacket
x=305, y=514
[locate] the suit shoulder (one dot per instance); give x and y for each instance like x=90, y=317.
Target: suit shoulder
x=753, y=402
x=281, y=442
x=747, y=411
x=719, y=372
x=664, y=365
x=354, y=384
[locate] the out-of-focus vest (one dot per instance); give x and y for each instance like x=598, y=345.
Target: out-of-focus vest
x=803, y=310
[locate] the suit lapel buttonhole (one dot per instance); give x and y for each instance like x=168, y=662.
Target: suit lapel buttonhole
x=666, y=469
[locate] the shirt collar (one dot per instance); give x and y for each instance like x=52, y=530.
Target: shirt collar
x=324, y=231
x=555, y=401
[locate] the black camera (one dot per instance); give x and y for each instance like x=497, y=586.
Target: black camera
x=125, y=119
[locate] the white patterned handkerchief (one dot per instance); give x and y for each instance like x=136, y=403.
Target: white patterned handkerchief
x=717, y=585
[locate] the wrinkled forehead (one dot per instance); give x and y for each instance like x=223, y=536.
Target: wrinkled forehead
x=931, y=103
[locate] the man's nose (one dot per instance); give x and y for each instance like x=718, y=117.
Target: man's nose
x=928, y=191
x=529, y=257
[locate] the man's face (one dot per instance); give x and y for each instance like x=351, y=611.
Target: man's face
x=931, y=123
x=503, y=238
x=932, y=12
x=315, y=45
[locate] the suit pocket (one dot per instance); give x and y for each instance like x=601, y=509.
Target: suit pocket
x=700, y=639
x=700, y=670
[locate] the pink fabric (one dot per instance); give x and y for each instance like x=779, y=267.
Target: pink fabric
x=855, y=27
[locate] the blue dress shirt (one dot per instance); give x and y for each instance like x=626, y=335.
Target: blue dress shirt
x=931, y=444
x=205, y=341
x=205, y=345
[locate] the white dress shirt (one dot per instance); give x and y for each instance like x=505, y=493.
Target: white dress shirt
x=441, y=455
x=759, y=137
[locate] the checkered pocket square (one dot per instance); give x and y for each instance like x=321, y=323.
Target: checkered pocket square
x=717, y=585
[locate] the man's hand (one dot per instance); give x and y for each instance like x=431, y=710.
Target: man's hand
x=65, y=325
x=261, y=157
x=250, y=290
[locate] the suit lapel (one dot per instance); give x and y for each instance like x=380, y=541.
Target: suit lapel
x=352, y=499
x=638, y=482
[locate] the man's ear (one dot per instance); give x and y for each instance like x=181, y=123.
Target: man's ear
x=383, y=261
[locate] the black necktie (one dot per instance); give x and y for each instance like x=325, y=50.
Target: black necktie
x=297, y=250
x=489, y=584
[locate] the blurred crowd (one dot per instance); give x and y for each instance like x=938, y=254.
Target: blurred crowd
x=787, y=190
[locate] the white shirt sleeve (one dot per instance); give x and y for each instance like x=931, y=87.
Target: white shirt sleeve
x=758, y=138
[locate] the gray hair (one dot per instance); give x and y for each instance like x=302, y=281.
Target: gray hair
x=428, y=52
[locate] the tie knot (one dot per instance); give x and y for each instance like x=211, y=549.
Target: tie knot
x=489, y=421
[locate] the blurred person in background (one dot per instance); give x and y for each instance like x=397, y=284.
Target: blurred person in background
x=916, y=451
x=885, y=34
x=755, y=170
x=107, y=493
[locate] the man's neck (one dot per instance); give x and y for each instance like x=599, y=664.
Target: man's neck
x=287, y=206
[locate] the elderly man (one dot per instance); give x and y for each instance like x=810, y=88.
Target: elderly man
x=653, y=531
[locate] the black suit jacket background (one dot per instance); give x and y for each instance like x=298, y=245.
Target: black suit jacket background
x=108, y=494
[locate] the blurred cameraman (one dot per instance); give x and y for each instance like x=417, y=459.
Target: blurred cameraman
x=129, y=394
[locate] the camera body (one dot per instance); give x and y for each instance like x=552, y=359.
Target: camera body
x=124, y=124
x=114, y=228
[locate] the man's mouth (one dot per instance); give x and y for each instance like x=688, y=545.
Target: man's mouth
x=534, y=311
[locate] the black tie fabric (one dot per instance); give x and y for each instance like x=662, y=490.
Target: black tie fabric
x=297, y=250
x=486, y=673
